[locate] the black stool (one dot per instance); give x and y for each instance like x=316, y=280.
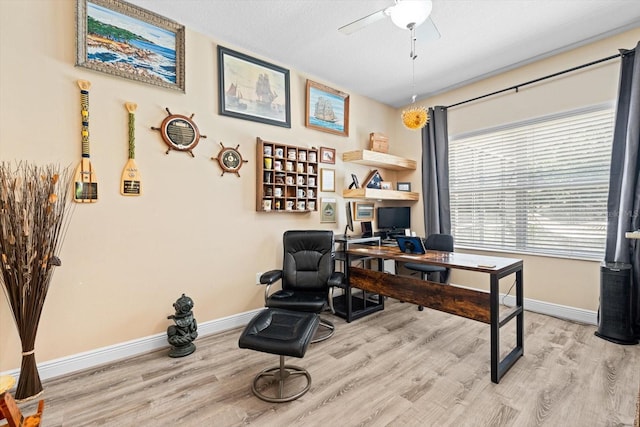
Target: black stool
x=285, y=333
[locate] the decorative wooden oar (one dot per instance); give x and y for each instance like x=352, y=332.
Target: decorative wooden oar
x=130, y=182
x=85, y=182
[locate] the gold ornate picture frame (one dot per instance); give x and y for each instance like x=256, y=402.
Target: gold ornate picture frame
x=125, y=40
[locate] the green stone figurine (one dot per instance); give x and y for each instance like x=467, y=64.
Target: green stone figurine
x=185, y=330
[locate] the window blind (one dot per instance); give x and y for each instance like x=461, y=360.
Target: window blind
x=534, y=187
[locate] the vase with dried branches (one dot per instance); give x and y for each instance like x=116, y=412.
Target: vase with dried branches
x=34, y=217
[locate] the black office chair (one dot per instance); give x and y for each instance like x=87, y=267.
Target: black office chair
x=308, y=276
x=436, y=242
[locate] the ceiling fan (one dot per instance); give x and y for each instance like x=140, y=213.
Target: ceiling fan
x=406, y=14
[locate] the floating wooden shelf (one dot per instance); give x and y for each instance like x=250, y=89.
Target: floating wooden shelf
x=373, y=193
x=381, y=160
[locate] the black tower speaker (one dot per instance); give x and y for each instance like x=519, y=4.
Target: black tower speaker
x=616, y=313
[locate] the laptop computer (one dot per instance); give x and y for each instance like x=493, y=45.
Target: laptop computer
x=411, y=245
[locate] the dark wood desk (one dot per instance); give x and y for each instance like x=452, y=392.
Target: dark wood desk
x=469, y=303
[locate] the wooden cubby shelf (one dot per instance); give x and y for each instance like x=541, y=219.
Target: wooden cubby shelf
x=382, y=161
x=286, y=178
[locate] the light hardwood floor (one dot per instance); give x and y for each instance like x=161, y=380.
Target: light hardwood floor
x=399, y=367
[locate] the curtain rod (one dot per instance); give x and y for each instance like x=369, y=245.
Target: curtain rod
x=516, y=87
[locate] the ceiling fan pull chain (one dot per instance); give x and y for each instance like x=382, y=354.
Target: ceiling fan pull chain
x=412, y=33
x=413, y=56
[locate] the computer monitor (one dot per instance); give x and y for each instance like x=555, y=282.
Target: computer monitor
x=393, y=219
x=349, y=225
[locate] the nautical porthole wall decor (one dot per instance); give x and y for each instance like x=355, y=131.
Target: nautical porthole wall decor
x=179, y=132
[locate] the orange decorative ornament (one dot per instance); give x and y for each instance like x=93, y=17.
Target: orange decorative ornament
x=415, y=118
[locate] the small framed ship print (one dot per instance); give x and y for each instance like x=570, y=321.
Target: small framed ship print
x=327, y=109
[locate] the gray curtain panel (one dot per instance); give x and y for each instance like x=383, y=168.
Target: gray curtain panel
x=624, y=185
x=435, y=173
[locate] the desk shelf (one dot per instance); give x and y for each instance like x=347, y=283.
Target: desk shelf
x=360, y=307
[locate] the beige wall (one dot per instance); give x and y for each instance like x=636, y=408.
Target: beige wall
x=126, y=259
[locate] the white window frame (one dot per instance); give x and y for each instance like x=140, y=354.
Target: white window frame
x=538, y=186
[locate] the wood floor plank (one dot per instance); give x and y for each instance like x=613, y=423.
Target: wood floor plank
x=398, y=367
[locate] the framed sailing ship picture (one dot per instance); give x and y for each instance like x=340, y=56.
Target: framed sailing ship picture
x=124, y=40
x=327, y=109
x=252, y=89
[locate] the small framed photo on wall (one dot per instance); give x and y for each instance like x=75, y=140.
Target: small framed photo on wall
x=327, y=155
x=328, y=210
x=327, y=179
x=364, y=211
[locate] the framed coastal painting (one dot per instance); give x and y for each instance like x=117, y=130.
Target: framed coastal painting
x=252, y=89
x=327, y=109
x=124, y=40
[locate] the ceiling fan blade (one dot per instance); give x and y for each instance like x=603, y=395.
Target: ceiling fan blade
x=362, y=22
x=427, y=31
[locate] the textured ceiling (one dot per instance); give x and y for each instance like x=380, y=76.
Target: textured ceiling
x=478, y=38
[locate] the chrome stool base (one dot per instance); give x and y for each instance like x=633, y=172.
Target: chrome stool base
x=280, y=374
x=326, y=329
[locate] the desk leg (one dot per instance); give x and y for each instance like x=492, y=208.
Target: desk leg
x=520, y=317
x=347, y=290
x=494, y=309
x=500, y=367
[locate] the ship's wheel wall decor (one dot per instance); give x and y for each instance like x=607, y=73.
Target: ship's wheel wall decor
x=179, y=132
x=230, y=159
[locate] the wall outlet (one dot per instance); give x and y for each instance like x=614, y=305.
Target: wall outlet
x=258, y=278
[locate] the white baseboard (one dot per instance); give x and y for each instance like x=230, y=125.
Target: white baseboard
x=77, y=362
x=556, y=310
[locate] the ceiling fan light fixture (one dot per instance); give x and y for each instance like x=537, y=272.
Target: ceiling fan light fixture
x=408, y=12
